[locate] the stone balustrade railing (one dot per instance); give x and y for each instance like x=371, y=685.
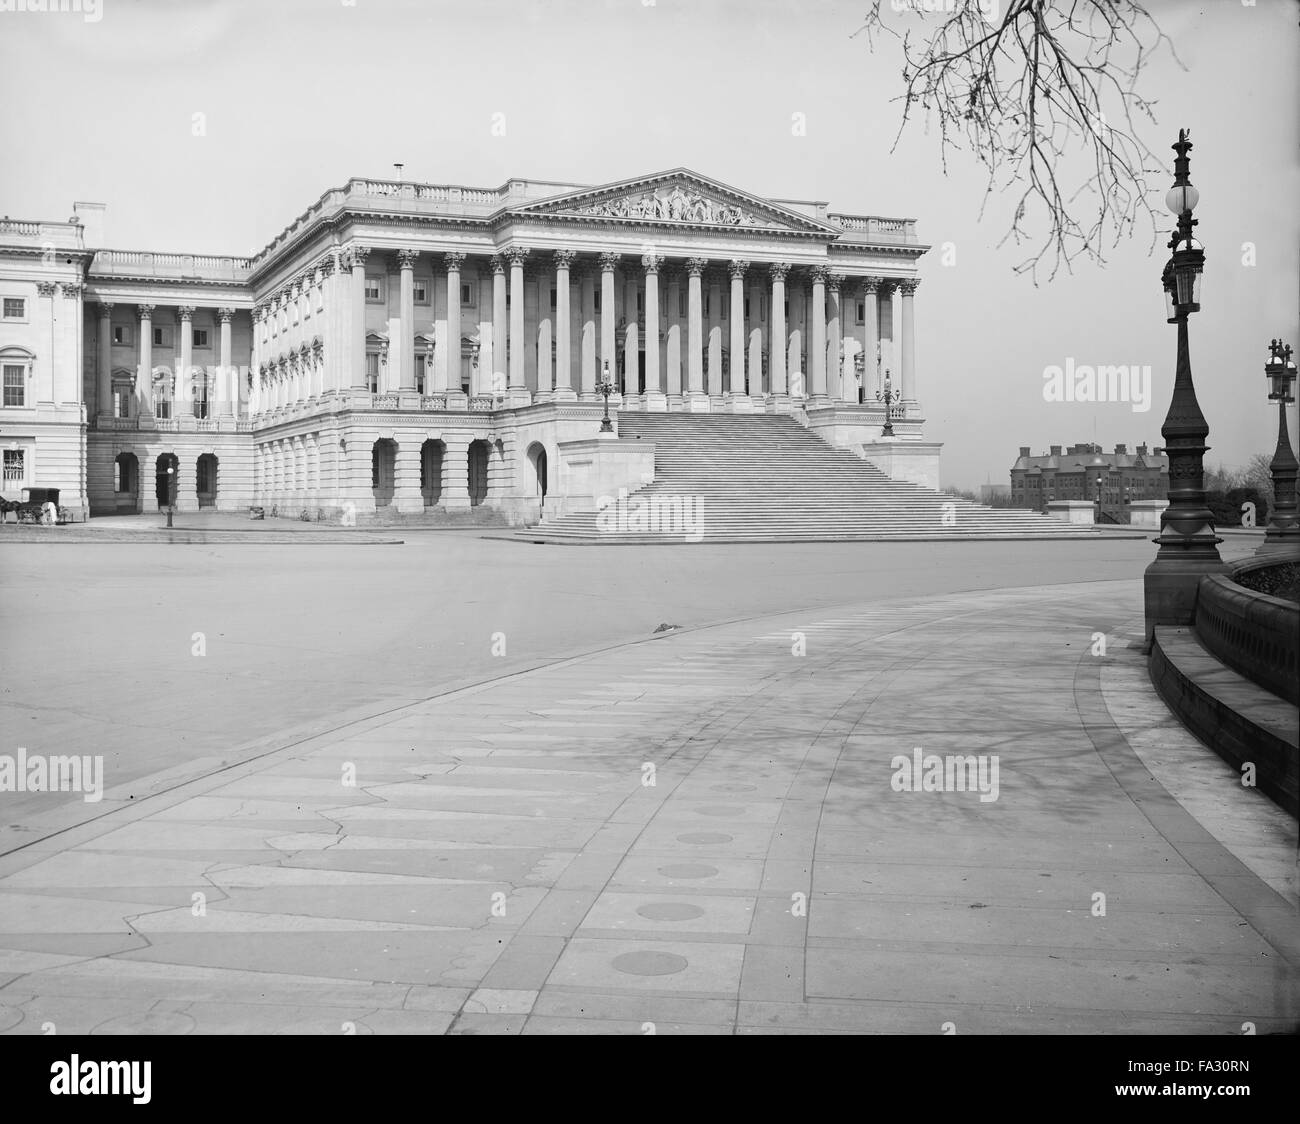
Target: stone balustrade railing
x=1253, y=633
x=190, y=267
x=876, y=228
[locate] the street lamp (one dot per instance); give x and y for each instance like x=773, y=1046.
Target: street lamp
x=605, y=388
x=1283, y=531
x=171, y=492
x=1188, y=544
x=888, y=397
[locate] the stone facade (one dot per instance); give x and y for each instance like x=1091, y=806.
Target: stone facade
x=412, y=347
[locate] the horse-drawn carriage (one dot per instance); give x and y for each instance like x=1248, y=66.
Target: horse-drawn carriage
x=38, y=505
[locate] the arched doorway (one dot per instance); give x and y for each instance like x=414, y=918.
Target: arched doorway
x=537, y=459
x=126, y=483
x=383, y=467
x=163, y=479
x=205, y=480
x=431, y=453
x=478, y=472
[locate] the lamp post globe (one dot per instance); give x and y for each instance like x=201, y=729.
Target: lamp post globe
x=1282, y=534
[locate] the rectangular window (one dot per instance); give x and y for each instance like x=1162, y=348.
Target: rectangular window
x=596, y=294
x=421, y=365
x=862, y=312
x=15, y=308
x=162, y=408
x=681, y=303
x=554, y=300
x=374, y=289
x=372, y=372
x=121, y=401
x=748, y=314
x=704, y=305
x=201, y=399
x=15, y=390
x=122, y=334
x=200, y=338
x=466, y=295
x=421, y=287
x=162, y=337
x=640, y=303
x=14, y=468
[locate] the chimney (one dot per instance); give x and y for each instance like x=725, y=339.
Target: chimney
x=92, y=223
x=1024, y=450
x=1142, y=450
x=1056, y=450
x=1121, y=450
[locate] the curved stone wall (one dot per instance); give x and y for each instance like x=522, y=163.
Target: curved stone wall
x=1253, y=633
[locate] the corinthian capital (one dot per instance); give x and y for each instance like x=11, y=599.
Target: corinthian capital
x=71, y=289
x=406, y=258
x=146, y=311
x=454, y=261
x=736, y=267
x=778, y=270
x=516, y=255
x=106, y=309
x=564, y=258
x=45, y=288
x=909, y=285
x=651, y=262
x=608, y=262
x=498, y=266
x=834, y=281
x=696, y=266
x=357, y=255
x=225, y=315
x=818, y=274
x=185, y=312
x=872, y=284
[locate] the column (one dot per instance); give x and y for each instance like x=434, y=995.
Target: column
x=673, y=357
x=455, y=471
x=227, y=376
x=518, y=379
x=754, y=364
x=608, y=345
x=405, y=350
x=104, y=379
x=694, y=327
x=817, y=343
x=357, y=348
x=447, y=376
x=776, y=330
x=870, y=339
x=909, y=286
x=654, y=395
x=563, y=369
x=737, y=269
x=184, y=394
x=588, y=334
x=715, y=335
x=538, y=370
x=499, y=326
x=834, y=339
x=144, y=376
x=631, y=367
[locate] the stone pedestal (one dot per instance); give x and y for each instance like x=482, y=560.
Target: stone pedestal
x=1073, y=511
x=913, y=461
x=1146, y=513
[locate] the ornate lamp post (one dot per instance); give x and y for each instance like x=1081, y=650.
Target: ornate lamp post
x=1188, y=544
x=605, y=388
x=171, y=492
x=1283, y=532
x=888, y=396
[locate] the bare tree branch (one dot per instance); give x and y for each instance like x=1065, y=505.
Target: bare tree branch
x=1023, y=93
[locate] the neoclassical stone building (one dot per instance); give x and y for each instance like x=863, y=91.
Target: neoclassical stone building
x=402, y=347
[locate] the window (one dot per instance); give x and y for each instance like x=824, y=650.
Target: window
x=15, y=308
x=748, y=314
x=201, y=398
x=15, y=390
x=421, y=365
x=121, y=400
x=374, y=289
x=122, y=334
x=681, y=303
x=421, y=286
x=596, y=294
x=554, y=300
x=14, y=468
x=862, y=312
x=200, y=338
x=162, y=337
x=466, y=295
x=372, y=372
x=640, y=302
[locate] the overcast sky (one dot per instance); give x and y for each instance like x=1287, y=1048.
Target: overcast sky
x=300, y=95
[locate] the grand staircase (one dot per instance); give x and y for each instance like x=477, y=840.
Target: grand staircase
x=766, y=478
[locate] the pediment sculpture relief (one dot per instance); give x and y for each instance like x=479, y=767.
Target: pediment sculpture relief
x=677, y=204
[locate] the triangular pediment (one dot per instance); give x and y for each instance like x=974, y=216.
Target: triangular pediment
x=679, y=197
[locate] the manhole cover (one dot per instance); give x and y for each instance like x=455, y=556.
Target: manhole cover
x=670, y=911
x=650, y=963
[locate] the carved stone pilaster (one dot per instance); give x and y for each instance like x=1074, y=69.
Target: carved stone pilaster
x=71, y=289
x=45, y=288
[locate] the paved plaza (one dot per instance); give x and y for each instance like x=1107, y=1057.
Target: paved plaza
x=609, y=830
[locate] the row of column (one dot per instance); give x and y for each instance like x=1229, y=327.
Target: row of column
x=226, y=388
x=508, y=376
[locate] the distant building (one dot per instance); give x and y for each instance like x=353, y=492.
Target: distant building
x=999, y=494
x=1073, y=475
